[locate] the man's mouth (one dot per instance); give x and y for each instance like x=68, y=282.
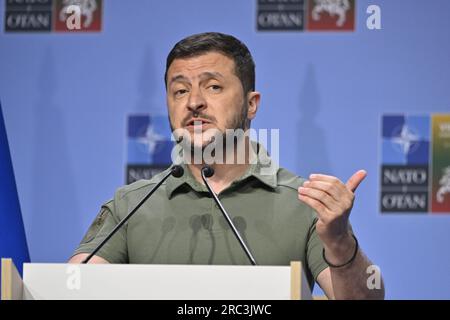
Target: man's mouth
x=197, y=122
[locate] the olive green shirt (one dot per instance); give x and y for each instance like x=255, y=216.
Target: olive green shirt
x=181, y=224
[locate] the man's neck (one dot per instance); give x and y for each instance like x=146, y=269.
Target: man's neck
x=226, y=173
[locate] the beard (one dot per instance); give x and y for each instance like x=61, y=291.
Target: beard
x=238, y=122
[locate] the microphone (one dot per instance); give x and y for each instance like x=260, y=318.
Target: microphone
x=176, y=171
x=208, y=172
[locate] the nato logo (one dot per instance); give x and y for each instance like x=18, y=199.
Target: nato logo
x=53, y=15
x=405, y=163
x=149, y=146
x=406, y=139
x=28, y=16
x=280, y=15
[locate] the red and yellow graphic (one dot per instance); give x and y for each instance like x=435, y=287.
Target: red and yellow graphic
x=331, y=15
x=90, y=15
x=440, y=188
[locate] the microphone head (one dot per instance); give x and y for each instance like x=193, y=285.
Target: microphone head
x=177, y=171
x=208, y=171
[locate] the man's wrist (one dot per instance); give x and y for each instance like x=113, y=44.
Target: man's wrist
x=341, y=251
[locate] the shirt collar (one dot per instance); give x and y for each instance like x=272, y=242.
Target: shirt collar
x=259, y=170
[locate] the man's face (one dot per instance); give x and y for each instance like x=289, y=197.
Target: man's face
x=204, y=90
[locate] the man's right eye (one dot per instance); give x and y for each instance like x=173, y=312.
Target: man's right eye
x=180, y=92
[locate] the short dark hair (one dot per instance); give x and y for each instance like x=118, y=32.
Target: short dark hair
x=231, y=47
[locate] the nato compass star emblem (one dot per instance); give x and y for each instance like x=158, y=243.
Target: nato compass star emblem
x=150, y=139
x=406, y=141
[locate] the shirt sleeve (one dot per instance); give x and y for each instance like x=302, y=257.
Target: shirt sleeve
x=314, y=258
x=115, y=250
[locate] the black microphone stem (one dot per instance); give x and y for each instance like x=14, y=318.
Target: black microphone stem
x=174, y=171
x=231, y=224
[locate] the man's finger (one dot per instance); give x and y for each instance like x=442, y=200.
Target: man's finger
x=324, y=177
x=332, y=189
x=315, y=205
x=356, y=179
x=319, y=195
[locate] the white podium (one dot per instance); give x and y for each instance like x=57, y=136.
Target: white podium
x=153, y=282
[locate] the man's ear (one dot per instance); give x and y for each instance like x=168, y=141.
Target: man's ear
x=253, y=98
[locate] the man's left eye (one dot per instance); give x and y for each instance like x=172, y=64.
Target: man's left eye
x=215, y=87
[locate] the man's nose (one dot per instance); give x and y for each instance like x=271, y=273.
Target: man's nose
x=196, y=101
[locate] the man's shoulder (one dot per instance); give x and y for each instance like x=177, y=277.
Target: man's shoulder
x=140, y=186
x=287, y=179
x=287, y=185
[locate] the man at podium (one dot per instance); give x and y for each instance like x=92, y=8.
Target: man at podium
x=275, y=217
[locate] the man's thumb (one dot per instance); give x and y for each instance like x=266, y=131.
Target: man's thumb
x=356, y=179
